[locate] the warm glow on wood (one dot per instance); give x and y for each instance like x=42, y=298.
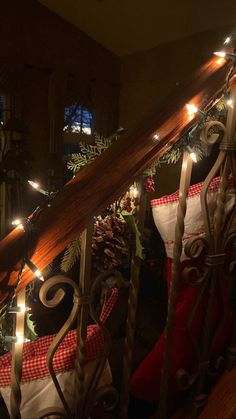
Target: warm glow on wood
x=87, y=194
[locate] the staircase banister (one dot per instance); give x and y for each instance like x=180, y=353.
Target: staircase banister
x=106, y=178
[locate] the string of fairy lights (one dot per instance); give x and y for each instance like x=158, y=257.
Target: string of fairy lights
x=26, y=223
x=193, y=110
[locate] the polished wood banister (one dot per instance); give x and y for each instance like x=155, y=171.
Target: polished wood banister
x=100, y=183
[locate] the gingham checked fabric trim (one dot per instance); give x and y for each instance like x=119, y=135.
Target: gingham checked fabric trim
x=34, y=353
x=194, y=190
x=108, y=305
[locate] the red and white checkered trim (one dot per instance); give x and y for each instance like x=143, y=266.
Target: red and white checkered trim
x=34, y=353
x=194, y=190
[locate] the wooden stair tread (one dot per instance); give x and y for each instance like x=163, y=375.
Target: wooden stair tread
x=222, y=399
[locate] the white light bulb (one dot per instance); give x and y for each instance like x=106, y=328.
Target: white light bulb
x=39, y=275
x=193, y=156
x=230, y=103
x=156, y=137
x=34, y=185
x=220, y=54
x=227, y=40
x=192, y=109
x=22, y=308
x=20, y=338
x=135, y=192
x=16, y=222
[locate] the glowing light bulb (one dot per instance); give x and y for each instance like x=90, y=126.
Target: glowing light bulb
x=34, y=269
x=135, y=192
x=39, y=275
x=156, y=137
x=34, y=185
x=19, y=338
x=16, y=222
x=192, y=154
x=230, y=103
x=227, y=40
x=192, y=109
x=220, y=54
x=22, y=308
x=193, y=157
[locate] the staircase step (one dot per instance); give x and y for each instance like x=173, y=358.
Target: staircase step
x=222, y=399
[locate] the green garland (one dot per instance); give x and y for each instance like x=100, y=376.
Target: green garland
x=89, y=152
x=218, y=113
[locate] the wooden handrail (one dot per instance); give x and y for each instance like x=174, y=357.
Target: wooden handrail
x=107, y=177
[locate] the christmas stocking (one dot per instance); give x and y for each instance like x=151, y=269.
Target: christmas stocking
x=145, y=382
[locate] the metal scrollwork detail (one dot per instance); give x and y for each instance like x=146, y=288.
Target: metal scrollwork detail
x=51, y=303
x=216, y=367
x=213, y=132
x=107, y=392
x=184, y=379
x=110, y=397
x=193, y=276
x=195, y=247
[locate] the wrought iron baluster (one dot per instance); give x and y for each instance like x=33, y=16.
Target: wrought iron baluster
x=17, y=357
x=216, y=246
x=93, y=392
x=53, y=302
x=220, y=230
x=132, y=309
x=84, y=289
x=178, y=245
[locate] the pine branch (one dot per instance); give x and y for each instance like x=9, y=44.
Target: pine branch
x=89, y=152
x=31, y=325
x=71, y=255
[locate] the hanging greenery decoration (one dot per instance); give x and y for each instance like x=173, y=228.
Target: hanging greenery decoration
x=89, y=152
x=71, y=255
x=217, y=112
x=31, y=325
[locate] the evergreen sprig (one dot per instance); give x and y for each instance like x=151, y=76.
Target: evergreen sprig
x=71, y=255
x=218, y=112
x=89, y=152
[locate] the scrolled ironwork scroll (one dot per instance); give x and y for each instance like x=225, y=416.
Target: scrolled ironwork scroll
x=213, y=132
x=194, y=248
x=110, y=396
x=109, y=393
x=51, y=303
x=210, y=274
